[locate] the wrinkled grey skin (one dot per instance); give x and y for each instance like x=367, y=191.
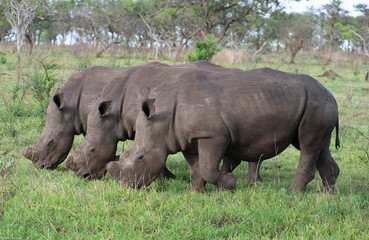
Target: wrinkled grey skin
x=67, y=115
x=113, y=117
x=251, y=116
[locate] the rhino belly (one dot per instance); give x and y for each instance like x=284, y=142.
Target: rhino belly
x=262, y=142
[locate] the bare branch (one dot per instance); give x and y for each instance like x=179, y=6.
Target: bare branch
x=364, y=51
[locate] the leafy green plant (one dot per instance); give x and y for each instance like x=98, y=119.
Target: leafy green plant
x=43, y=82
x=12, y=98
x=355, y=72
x=6, y=165
x=2, y=59
x=204, y=50
x=83, y=61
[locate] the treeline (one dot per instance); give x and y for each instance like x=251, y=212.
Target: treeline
x=178, y=24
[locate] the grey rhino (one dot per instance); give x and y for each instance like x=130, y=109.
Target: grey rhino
x=114, y=115
x=251, y=116
x=67, y=114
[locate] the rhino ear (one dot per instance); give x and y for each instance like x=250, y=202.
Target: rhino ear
x=58, y=99
x=104, y=108
x=148, y=107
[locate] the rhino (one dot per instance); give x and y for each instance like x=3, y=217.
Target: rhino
x=242, y=115
x=114, y=114
x=67, y=114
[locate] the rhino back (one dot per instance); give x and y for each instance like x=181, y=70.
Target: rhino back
x=255, y=110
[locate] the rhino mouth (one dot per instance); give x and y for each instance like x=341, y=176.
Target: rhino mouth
x=87, y=176
x=46, y=165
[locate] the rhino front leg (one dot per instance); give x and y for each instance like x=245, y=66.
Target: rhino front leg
x=198, y=182
x=211, y=151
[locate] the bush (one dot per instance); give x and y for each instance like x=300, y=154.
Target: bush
x=2, y=59
x=204, y=50
x=12, y=101
x=6, y=165
x=43, y=82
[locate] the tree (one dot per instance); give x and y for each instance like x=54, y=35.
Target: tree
x=20, y=15
x=360, y=31
x=217, y=17
x=333, y=12
x=298, y=33
x=4, y=25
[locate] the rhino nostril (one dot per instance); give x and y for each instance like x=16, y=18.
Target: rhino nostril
x=50, y=143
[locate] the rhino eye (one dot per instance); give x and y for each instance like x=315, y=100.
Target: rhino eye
x=50, y=143
x=92, y=150
x=140, y=158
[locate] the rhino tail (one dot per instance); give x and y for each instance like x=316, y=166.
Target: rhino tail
x=337, y=134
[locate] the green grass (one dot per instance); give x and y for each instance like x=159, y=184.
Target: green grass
x=44, y=204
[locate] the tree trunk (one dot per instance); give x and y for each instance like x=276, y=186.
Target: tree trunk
x=128, y=37
x=293, y=55
x=29, y=43
x=325, y=53
x=19, y=44
x=325, y=58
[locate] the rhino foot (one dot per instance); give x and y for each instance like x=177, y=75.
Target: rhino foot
x=227, y=181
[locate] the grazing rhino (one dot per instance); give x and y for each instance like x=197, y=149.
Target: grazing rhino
x=251, y=116
x=114, y=115
x=67, y=114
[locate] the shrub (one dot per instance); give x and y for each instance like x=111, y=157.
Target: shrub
x=43, y=82
x=12, y=101
x=2, y=59
x=204, y=50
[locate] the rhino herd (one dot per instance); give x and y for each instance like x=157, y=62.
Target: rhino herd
x=207, y=112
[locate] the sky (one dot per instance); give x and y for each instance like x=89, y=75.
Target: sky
x=303, y=5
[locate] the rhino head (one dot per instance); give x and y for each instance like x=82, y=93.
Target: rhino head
x=145, y=161
x=99, y=145
x=56, y=140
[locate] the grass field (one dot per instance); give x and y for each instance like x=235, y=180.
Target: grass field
x=44, y=204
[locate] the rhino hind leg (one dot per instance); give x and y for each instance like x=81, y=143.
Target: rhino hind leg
x=328, y=170
x=198, y=181
x=229, y=164
x=167, y=174
x=211, y=151
x=253, y=173
x=305, y=171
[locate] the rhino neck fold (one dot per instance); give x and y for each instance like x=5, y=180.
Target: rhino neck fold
x=126, y=115
x=78, y=119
